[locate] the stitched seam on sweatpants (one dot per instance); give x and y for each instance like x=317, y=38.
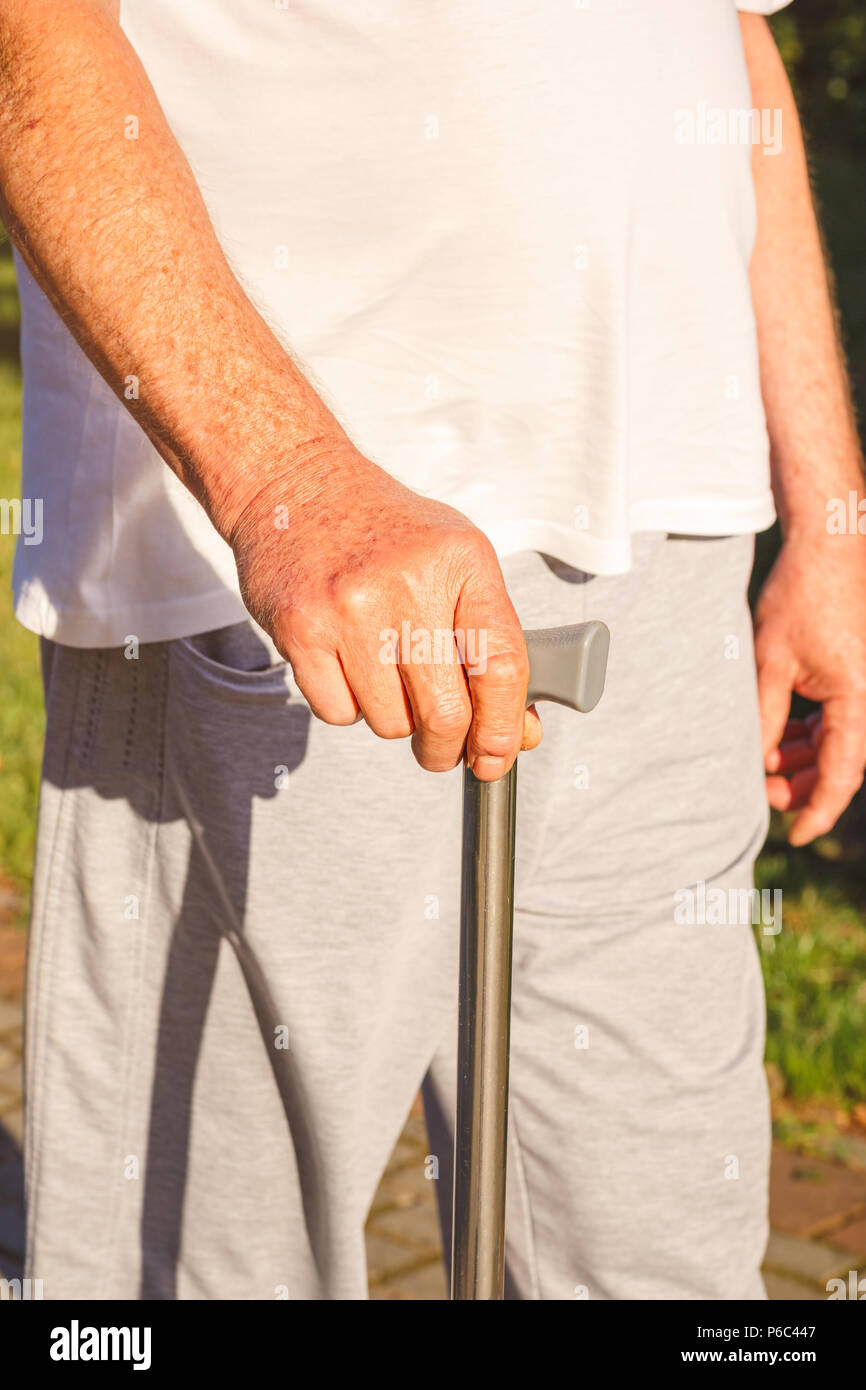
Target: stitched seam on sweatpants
x=535, y=1279
x=39, y=944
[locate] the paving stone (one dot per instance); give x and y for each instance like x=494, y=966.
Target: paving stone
x=406, y=1186
x=809, y=1260
x=13, y=1124
x=782, y=1290
x=10, y=1079
x=380, y=1293
x=10, y=1014
x=417, y=1228
x=426, y=1284
x=415, y=1128
x=812, y=1196
x=13, y=946
x=852, y=1238
x=854, y=1151
x=408, y=1154
x=386, y=1260
x=404, y=1251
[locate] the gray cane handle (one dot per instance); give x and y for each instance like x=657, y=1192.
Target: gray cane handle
x=568, y=664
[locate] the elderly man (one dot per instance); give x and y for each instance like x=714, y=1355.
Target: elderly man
x=345, y=316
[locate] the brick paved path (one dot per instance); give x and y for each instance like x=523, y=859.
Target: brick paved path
x=818, y=1208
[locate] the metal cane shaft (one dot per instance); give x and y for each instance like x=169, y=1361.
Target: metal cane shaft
x=486, y=919
x=567, y=665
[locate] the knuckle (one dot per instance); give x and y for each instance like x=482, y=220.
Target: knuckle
x=353, y=598
x=509, y=668
x=768, y=653
x=768, y=663
x=445, y=719
x=469, y=555
x=297, y=626
x=466, y=540
x=493, y=743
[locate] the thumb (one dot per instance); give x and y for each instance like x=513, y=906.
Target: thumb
x=775, y=684
x=532, y=731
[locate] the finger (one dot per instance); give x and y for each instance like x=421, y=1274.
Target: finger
x=441, y=707
x=791, y=793
x=532, y=730
x=778, y=793
x=497, y=684
x=322, y=681
x=791, y=757
x=795, y=731
x=375, y=680
x=841, y=752
x=775, y=683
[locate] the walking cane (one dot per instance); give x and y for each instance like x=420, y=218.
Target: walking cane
x=567, y=665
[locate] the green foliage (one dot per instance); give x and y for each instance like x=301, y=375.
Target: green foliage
x=823, y=43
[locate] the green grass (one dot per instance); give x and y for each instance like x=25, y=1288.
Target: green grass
x=815, y=974
x=21, y=717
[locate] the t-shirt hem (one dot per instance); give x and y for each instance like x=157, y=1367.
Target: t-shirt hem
x=158, y=622
x=613, y=555
x=184, y=617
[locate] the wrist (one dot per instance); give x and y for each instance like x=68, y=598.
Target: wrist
x=258, y=427
x=831, y=518
x=816, y=516
x=277, y=475
x=815, y=491
x=310, y=477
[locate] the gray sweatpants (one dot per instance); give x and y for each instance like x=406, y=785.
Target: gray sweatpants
x=243, y=964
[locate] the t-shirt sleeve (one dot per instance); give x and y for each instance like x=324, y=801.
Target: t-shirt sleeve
x=762, y=6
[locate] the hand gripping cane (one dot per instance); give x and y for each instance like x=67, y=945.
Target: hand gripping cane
x=567, y=665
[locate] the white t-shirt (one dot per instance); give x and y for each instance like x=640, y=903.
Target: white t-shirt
x=510, y=240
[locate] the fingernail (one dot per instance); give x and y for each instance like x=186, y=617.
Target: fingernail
x=489, y=769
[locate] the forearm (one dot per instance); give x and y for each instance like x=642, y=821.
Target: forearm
x=116, y=233
x=814, y=446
